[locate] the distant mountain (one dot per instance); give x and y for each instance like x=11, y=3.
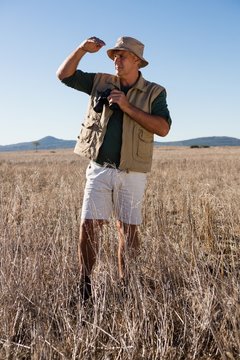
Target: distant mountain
x=48, y=142
x=203, y=141
x=51, y=143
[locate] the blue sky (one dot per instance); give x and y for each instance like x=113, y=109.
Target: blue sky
x=193, y=49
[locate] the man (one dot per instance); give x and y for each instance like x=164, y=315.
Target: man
x=124, y=113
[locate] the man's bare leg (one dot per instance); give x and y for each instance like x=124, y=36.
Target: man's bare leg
x=128, y=246
x=90, y=231
x=88, y=244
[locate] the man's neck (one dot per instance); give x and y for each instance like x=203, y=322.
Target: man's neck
x=129, y=80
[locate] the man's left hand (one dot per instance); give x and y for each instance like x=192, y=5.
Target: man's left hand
x=118, y=97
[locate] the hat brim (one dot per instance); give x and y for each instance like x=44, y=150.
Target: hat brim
x=110, y=53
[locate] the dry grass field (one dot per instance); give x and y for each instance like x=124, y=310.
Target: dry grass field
x=183, y=296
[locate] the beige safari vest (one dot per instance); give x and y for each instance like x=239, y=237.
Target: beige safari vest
x=137, y=142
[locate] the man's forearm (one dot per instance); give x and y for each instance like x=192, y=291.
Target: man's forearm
x=69, y=66
x=153, y=123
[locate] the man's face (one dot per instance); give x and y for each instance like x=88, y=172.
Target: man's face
x=125, y=62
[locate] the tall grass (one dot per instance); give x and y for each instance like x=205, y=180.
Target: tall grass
x=182, y=300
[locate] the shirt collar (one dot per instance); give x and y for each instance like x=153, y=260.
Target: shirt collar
x=140, y=84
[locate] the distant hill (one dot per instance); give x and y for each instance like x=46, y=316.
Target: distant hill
x=203, y=141
x=48, y=142
x=51, y=143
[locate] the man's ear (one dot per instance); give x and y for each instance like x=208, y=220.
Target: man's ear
x=137, y=60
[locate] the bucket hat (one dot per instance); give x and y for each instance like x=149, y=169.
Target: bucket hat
x=129, y=44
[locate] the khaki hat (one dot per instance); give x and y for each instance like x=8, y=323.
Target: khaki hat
x=129, y=44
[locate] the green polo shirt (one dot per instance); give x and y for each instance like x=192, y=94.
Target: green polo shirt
x=110, y=150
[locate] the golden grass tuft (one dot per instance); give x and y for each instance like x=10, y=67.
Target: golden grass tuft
x=183, y=296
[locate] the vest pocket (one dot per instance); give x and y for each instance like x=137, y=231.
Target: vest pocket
x=88, y=129
x=84, y=138
x=87, y=138
x=143, y=145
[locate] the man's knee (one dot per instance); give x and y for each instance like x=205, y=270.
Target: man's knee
x=128, y=233
x=86, y=228
x=90, y=228
x=88, y=244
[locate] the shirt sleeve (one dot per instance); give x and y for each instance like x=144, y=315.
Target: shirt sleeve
x=159, y=107
x=81, y=81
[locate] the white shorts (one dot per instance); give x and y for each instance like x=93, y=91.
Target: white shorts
x=110, y=191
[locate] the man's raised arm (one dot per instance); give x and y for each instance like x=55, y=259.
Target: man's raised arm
x=69, y=66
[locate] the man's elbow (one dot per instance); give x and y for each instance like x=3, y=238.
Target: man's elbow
x=164, y=129
x=60, y=75
x=164, y=133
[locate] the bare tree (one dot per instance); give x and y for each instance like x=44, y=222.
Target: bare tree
x=36, y=144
